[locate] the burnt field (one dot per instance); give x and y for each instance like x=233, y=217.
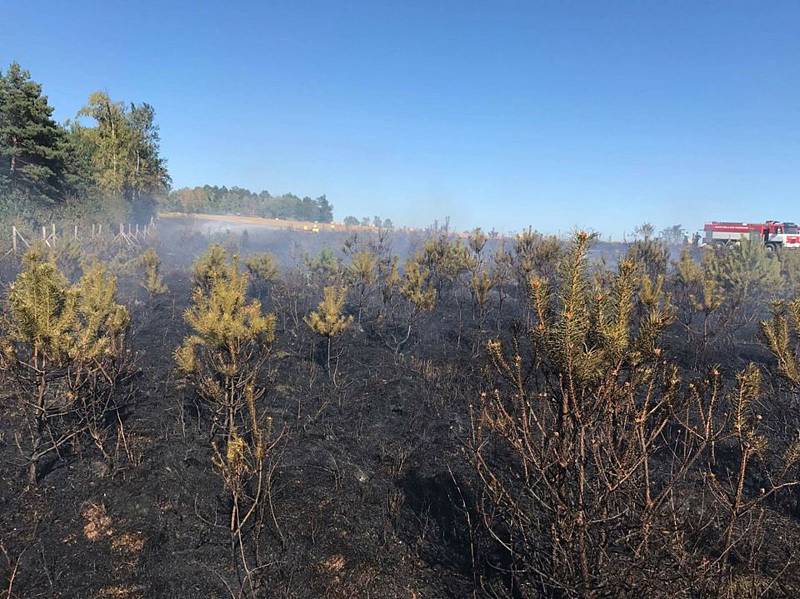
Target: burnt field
x=287, y=414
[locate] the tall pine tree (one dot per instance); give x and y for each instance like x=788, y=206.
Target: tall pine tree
x=34, y=149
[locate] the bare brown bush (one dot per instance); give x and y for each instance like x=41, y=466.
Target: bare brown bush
x=588, y=446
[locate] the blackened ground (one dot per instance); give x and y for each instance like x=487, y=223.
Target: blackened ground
x=371, y=492
x=363, y=491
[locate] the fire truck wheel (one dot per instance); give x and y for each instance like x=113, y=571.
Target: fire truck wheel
x=771, y=247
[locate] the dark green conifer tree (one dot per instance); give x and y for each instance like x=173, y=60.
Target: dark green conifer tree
x=34, y=149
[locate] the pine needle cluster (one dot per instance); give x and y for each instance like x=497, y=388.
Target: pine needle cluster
x=389, y=280
x=229, y=333
x=446, y=260
x=702, y=292
x=210, y=267
x=417, y=287
x=328, y=319
x=263, y=268
x=362, y=274
x=481, y=284
x=781, y=333
x=363, y=267
x=324, y=268
x=584, y=332
x=150, y=263
x=263, y=271
x=650, y=256
x=536, y=255
x=746, y=270
x=720, y=293
x=477, y=241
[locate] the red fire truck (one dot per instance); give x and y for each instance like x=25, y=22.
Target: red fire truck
x=772, y=233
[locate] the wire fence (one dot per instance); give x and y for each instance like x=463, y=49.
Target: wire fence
x=131, y=234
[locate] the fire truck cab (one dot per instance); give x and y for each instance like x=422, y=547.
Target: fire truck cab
x=774, y=234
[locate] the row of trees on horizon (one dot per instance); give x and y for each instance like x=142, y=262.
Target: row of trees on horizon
x=211, y=199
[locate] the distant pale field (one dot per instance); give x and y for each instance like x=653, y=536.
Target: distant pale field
x=283, y=223
x=275, y=223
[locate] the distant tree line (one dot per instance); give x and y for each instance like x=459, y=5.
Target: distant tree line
x=375, y=221
x=236, y=200
x=105, y=160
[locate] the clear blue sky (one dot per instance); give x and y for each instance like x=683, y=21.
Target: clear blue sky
x=500, y=114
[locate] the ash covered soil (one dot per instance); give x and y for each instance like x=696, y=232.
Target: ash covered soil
x=364, y=480
x=371, y=491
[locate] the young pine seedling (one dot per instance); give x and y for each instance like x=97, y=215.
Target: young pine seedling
x=328, y=319
x=222, y=361
x=153, y=282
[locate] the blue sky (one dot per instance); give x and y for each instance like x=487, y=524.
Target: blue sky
x=499, y=114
